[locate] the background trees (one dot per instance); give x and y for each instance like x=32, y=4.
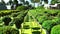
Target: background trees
x=2, y=1
x=10, y=2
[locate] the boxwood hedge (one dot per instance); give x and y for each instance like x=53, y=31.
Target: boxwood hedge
x=55, y=29
x=47, y=24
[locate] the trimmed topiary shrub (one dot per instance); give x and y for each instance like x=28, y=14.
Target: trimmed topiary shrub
x=56, y=20
x=54, y=1
x=21, y=8
x=41, y=19
x=14, y=14
x=6, y=20
x=18, y=22
x=20, y=19
x=9, y=30
x=7, y=12
x=47, y=24
x=55, y=29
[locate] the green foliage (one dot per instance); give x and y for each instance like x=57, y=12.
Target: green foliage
x=15, y=2
x=9, y=30
x=7, y=12
x=35, y=1
x=6, y=20
x=55, y=29
x=18, y=22
x=41, y=19
x=15, y=14
x=10, y=2
x=40, y=7
x=48, y=18
x=21, y=8
x=47, y=24
x=2, y=1
x=46, y=1
x=27, y=3
x=26, y=19
x=54, y=1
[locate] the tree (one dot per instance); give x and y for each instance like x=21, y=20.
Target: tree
x=35, y=1
x=20, y=19
x=23, y=1
x=2, y=1
x=54, y=1
x=46, y=1
x=10, y=2
x=27, y=3
x=15, y=3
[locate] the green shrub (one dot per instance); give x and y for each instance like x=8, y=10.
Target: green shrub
x=9, y=30
x=55, y=29
x=40, y=7
x=26, y=18
x=41, y=19
x=14, y=14
x=1, y=30
x=56, y=20
x=21, y=8
x=6, y=20
x=54, y=1
x=17, y=22
x=7, y=12
x=47, y=24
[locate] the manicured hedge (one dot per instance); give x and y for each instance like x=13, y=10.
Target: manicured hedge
x=22, y=8
x=7, y=12
x=47, y=24
x=9, y=30
x=55, y=29
x=6, y=20
x=56, y=20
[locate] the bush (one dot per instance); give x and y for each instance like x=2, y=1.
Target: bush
x=9, y=30
x=21, y=8
x=56, y=20
x=41, y=19
x=55, y=29
x=6, y=20
x=26, y=18
x=40, y=7
x=47, y=24
x=54, y=1
x=1, y=30
x=7, y=12
x=18, y=22
x=14, y=14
